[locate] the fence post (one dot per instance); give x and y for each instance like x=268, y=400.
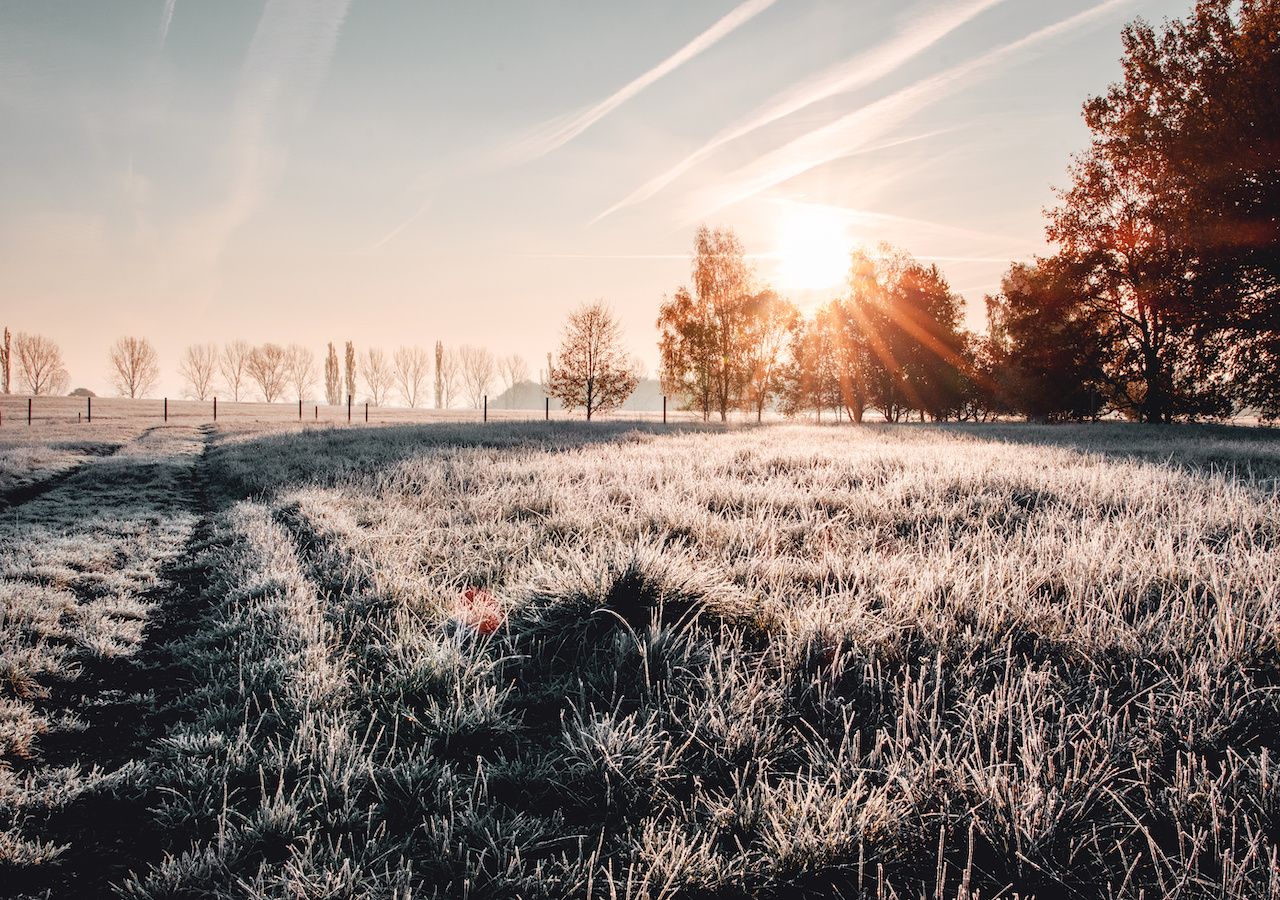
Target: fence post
x=548, y=417
x=299, y=409
x=28, y=410
x=486, y=407
x=664, y=409
x=89, y=402
x=366, y=411
x=215, y=409
x=166, y=409
x=348, y=409
x=317, y=412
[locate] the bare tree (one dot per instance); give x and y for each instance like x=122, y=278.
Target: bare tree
x=378, y=375
x=300, y=368
x=40, y=367
x=350, y=374
x=134, y=367
x=593, y=372
x=514, y=370
x=450, y=373
x=196, y=367
x=477, y=369
x=6, y=362
x=332, y=378
x=268, y=367
x=233, y=363
x=411, y=367
x=439, y=383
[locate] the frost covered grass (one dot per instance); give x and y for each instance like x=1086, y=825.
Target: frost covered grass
x=881, y=662
x=78, y=565
x=627, y=661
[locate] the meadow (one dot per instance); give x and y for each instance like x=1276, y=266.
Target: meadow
x=628, y=660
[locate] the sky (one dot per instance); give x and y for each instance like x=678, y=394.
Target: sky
x=397, y=171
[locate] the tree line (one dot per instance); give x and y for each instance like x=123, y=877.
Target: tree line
x=591, y=370
x=1160, y=300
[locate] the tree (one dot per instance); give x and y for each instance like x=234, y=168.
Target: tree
x=592, y=371
x=40, y=367
x=411, y=367
x=268, y=367
x=439, y=377
x=702, y=333
x=476, y=366
x=349, y=370
x=6, y=363
x=134, y=366
x=378, y=375
x=770, y=323
x=514, y=370
x=332, y=378
x=233, y=364
x=449, y=371
x=300, y=369
x=197, y=367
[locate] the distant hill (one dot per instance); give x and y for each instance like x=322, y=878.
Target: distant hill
x=647, y=397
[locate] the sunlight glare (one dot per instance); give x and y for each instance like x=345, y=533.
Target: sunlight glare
x=812, y=249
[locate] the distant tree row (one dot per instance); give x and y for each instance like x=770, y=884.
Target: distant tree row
x=272, y=372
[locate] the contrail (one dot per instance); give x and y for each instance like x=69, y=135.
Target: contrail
x=849, y=75
x=165, y=19
x=559, y=131
x=285, y=65
x=856, y=130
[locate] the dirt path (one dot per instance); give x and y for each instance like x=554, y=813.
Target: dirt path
x=113, y=548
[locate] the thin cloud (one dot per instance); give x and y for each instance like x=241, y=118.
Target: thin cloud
x=852, y=132
x=166, y=18
x=286, y=62
x=559, y=131
x=849, y=75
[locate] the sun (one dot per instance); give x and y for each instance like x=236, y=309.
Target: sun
x=812, y=250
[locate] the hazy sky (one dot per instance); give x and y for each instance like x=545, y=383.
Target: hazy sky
x=397, y=171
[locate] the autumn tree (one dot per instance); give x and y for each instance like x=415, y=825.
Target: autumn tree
x=476, y=368
x=40, y=367
x=135, y=369
x=411, y=366
x=703, y=331
x=770, y=321
x=592, y=372
x=349, y=370
x=197, y=367
x=300, y=369
x=332, y=378
x=234, y=364
x=268, y=367
x=378, y=375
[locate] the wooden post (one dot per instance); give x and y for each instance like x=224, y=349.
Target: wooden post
x=366, y=411
x=486, y=407
x=28, y=410
x=548, y=399
x=166, y=409
x=317, y=413
x=79, y=417
x=348, y=409
x=664, y=409
x=215, y=409
x=299, y=409
x=89, y=403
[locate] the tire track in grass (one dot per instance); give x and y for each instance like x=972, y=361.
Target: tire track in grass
x=120, y=534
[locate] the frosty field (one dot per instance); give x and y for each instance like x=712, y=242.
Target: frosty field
x=629, y=660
